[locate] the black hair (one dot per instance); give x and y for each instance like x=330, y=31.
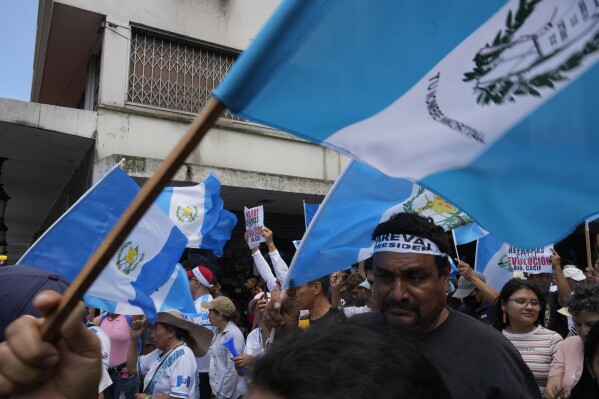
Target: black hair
x=255, y=279
x=507, y=291
x=587, y=387
x=585, y=298
x=414, y=224
x=346, y=360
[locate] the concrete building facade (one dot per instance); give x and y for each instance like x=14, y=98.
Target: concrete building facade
x=117, y=79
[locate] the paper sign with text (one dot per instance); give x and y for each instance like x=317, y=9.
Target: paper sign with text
x=254, y=221
x=531, y=260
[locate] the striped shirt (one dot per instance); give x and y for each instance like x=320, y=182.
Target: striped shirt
x=537, y=348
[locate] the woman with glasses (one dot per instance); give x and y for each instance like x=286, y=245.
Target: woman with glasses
x=518, y=315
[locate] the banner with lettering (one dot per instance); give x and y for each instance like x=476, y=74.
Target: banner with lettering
x=254, y=221
x=531, y=260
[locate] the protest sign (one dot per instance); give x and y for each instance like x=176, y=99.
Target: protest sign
x=531, y=260
x=254, y=222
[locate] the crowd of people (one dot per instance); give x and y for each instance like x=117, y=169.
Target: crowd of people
x=388, y=328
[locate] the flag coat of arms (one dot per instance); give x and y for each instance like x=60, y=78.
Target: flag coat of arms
x=198, y=211
x=490, y=104
x=144, y=262
x=340, y=232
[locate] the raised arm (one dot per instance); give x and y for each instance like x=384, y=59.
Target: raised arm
x=563, y=289
x=489, y=293
x=137, y=329
x=278, y=263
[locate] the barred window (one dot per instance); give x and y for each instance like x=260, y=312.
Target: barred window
x=174, y=75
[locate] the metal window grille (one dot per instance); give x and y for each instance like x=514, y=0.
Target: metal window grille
x=174, y=75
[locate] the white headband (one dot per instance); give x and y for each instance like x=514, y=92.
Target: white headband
x=196, y=272
x=406, y=243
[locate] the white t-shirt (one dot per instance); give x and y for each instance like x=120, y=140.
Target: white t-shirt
x=105, y=380
x=174, y=377
x=203, y=363
x=254, y=346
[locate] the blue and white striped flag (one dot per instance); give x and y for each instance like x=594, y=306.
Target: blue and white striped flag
x=143, y=263
x=491, y=104
x=198, y=212
x=340, y=233
x=492, y=261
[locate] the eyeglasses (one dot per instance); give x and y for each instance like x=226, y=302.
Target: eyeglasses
x=521, y=302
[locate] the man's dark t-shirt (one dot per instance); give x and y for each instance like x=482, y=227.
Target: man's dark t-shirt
x=474, y=360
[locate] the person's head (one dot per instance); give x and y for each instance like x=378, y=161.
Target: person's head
x=220, y=311
x=18, y=287
x=313, y=292
x=253, y=305
x=361, y=293
x=200, y=280
x=171, y=329
x=519, y=303
x=542, y=281
x=251, y=283
x=583, y=305
x=574, y=276
x=344, y=360
x=468, y=293
x=411, y=272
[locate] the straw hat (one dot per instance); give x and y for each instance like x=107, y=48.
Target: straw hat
x=201, y=337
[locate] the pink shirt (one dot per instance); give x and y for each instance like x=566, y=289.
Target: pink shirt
x=118, y=332
x=568, y=363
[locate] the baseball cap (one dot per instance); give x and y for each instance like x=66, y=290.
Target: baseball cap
x=574, y=273
x=222, y=305
x=465, y=287
x=256, y=298
x=19, y=285
x=202, y=274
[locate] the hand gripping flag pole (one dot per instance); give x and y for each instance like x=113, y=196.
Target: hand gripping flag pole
x=140, y=204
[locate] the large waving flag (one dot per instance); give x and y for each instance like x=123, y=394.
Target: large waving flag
x=198, y=212
x=143, y=263
x=491, y=104
x=492, y=261
x=340, y=233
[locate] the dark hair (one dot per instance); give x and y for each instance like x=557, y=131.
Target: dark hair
x=585, y=298
x=325, y=283
x=586, y=387
x=346, y=360
x=507, y=291
x=255, y=279
x=414, y=224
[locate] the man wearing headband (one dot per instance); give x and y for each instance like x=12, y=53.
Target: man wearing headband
x=411, y=273
x=200, y=281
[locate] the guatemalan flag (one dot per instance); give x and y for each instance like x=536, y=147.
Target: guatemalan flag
x=146, y=261
x=492, y=104
x=340, y=233
x=198, y=212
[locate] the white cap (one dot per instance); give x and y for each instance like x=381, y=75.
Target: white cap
x=574, y=273
x=365, y=284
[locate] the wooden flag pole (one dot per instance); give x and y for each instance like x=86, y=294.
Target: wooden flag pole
x=140, y=204
x=587, y=239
